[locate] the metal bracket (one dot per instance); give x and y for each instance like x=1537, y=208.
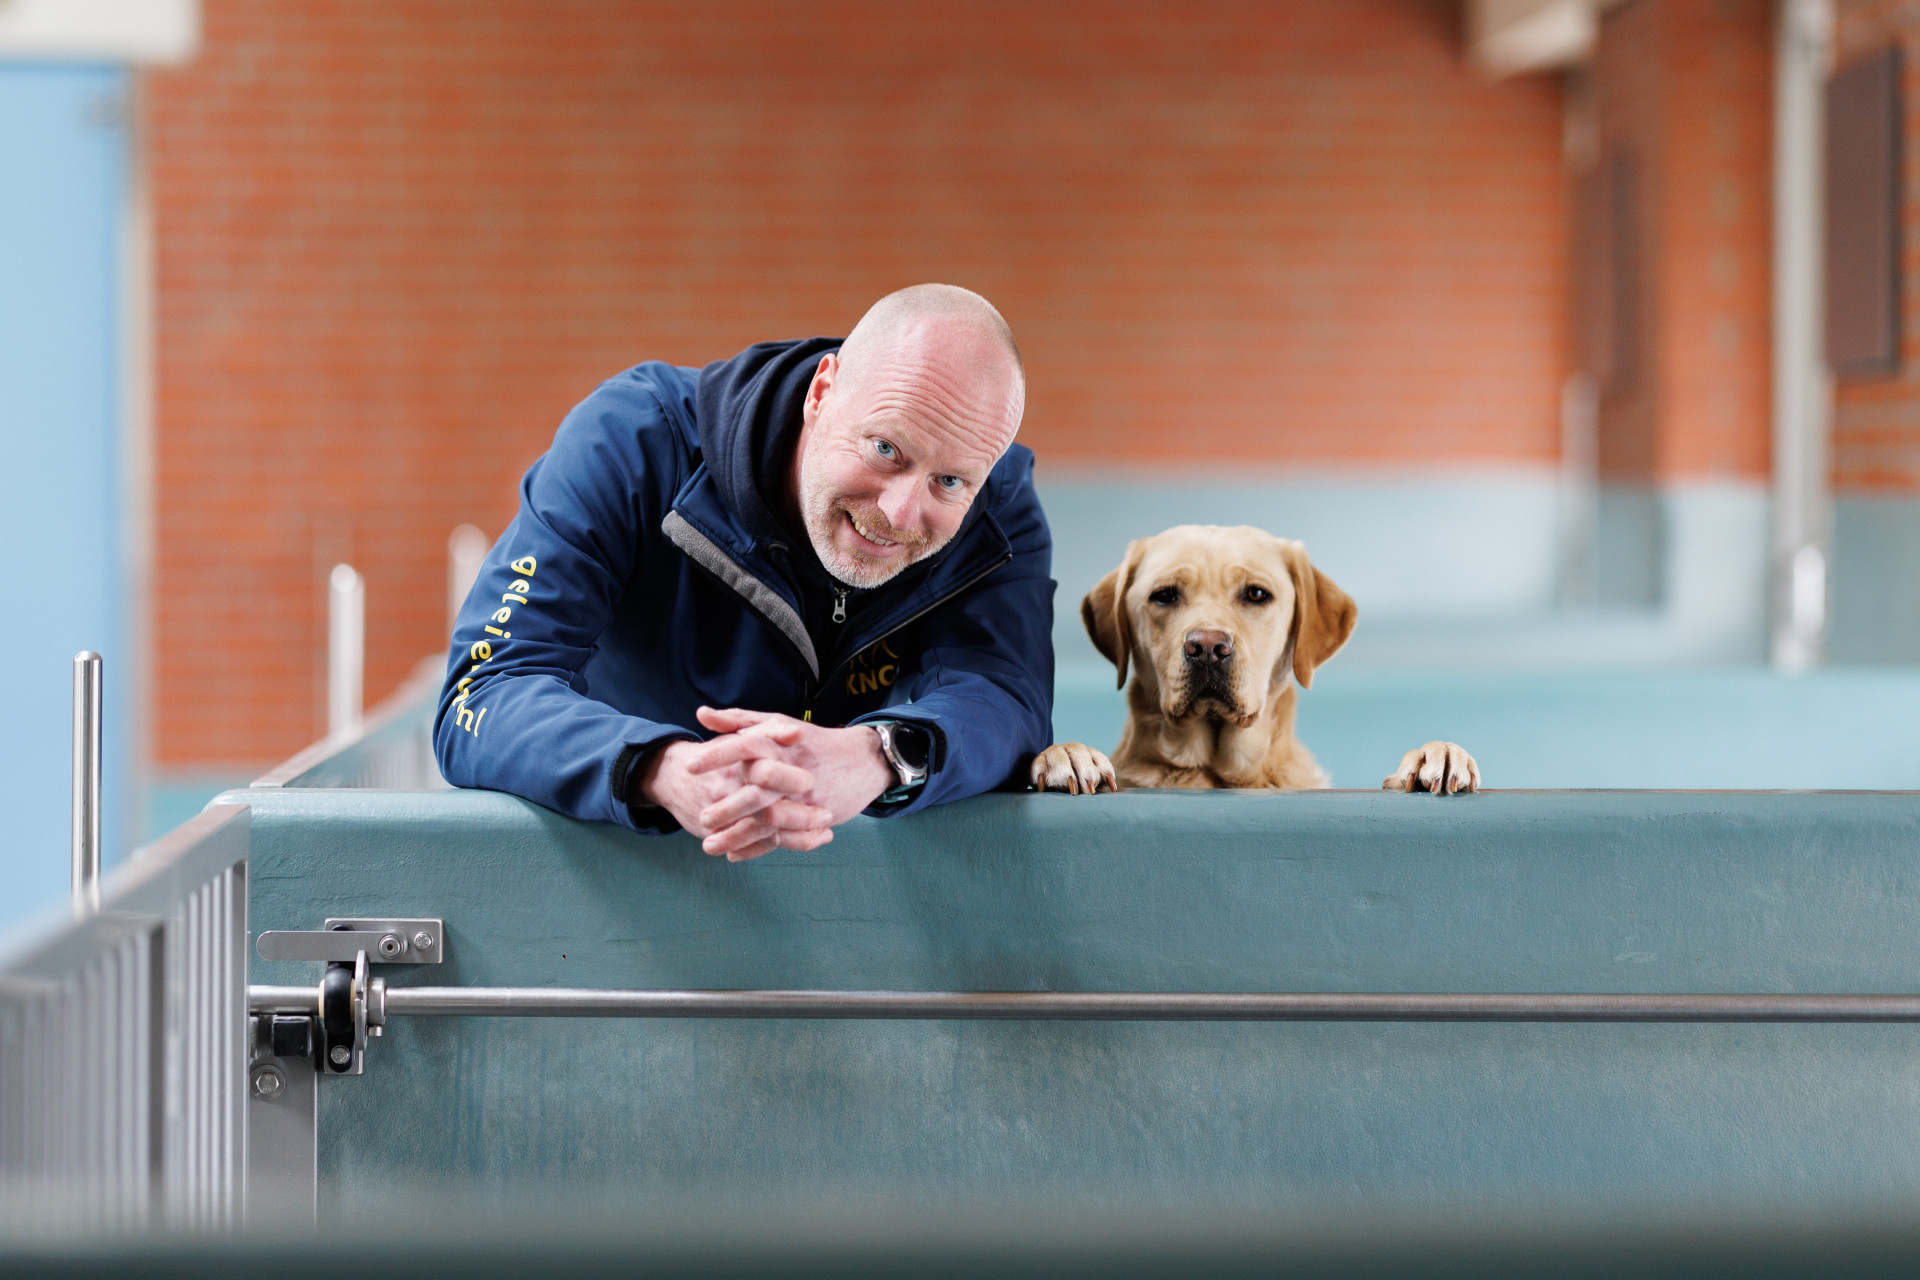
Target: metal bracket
x=388, y=940
x=350, y=1006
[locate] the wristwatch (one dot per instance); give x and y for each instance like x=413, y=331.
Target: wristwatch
x=909, y=749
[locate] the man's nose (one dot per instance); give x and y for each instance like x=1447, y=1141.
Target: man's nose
x=1209, y=646
x=899, y=503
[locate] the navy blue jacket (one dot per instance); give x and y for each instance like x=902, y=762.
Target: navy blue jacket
x=646, y=574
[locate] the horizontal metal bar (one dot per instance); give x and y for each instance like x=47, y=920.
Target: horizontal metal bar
x=284, y=1000
x=562, y=1002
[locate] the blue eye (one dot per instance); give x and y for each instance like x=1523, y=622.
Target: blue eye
x=885, y=450
x=952, y=484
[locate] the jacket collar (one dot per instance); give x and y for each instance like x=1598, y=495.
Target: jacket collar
x=759, y=569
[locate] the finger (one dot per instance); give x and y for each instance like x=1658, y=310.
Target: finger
x=729, y=719
x=784, y=730
x=777, y=775
x=799, y=841
x=1107, y=775
x=735, y=748
x=794, y=815
x=741, y=835
x=766, y=824
x=736, y=807
x=752, y=851
x=802, y=839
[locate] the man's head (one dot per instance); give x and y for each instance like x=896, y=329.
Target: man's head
x=901, y=427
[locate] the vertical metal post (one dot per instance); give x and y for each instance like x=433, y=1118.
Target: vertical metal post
x=1802, y=389
x=87, y=683
x=467, y=546
x=346, y=649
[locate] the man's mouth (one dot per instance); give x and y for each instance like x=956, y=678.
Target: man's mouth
x=877, y=540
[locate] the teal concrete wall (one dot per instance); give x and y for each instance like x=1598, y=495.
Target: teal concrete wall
x=63, y=186
x=1725, y=728
x=1327, y=891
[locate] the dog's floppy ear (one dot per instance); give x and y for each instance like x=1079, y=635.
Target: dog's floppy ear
x=1323, y=614
x=1104, y=611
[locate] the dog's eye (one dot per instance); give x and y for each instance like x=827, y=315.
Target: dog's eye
x=1256, y=595
x=1166, y=595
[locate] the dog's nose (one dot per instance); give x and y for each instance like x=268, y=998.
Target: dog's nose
x=1209, y=646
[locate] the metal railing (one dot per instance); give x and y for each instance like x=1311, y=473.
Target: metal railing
x=122, y=1045
x=1100, y=1006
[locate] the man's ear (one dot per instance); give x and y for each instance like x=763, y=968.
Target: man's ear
x=1104, y=611
x=824, y=375
x=1323, y=614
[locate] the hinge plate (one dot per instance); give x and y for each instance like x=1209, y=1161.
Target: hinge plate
x=385, y=939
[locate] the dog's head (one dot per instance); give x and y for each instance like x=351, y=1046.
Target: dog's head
x=1217, y=619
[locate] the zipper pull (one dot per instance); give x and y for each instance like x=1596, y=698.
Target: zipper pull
x=839, y=604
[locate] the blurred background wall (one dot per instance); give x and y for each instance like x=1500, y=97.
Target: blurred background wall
x=65, y=538
x=1492, y=334
x=1236, y=241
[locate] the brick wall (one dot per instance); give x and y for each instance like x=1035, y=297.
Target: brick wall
x=1876, y=427
x=1683, y=95
x=397, y=240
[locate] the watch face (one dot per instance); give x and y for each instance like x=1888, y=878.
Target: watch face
x=913, y=745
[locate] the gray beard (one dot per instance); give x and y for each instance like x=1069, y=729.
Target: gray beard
x=819, y=514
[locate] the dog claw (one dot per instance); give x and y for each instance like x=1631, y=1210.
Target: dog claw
x=1444, y=768
x=1074, y=768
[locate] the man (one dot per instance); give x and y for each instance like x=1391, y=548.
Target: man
x=759, y=598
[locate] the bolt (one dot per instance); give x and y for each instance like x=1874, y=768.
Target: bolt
x=391, y=945
x=423, y=940
x=340, y=1054
x=269, y=1081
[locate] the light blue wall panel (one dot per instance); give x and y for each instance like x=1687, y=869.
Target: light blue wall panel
x=63, y=188
x=1453, y=570
x=1876, y=581
x=1451, y=545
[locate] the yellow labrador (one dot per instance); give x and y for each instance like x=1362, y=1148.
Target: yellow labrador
x=1220, y=624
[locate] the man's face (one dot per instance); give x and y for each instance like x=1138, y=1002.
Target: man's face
x=894, y=453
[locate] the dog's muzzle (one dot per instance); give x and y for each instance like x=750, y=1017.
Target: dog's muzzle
x=1210, y=675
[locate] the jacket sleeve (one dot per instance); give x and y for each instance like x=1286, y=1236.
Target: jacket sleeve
x=984, y=686
x=513, y=715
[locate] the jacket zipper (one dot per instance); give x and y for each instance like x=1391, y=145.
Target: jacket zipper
x=839, y=615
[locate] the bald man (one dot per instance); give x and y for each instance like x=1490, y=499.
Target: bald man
x=756, y=599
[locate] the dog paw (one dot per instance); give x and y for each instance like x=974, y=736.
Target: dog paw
x=1443, y=767
x=1074, y=768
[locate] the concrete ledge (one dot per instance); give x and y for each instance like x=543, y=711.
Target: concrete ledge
x=1519, y=891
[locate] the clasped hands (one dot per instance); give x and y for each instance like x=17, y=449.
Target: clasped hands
x=767, y=782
